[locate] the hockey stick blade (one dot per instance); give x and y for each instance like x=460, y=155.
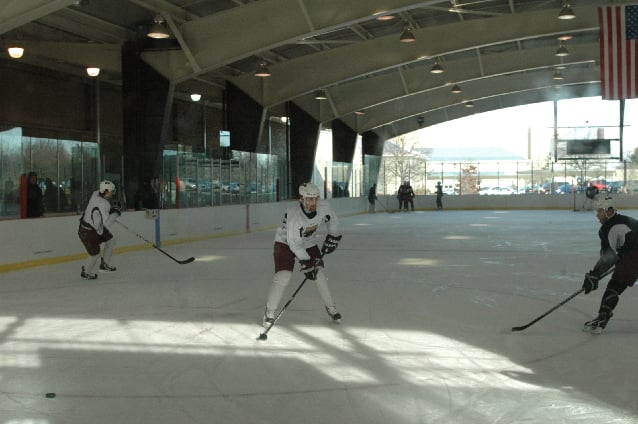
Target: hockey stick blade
x=523, y=327
x=181, y=262
x=186, y=261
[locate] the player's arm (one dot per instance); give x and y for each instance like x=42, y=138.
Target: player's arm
x=332, y=223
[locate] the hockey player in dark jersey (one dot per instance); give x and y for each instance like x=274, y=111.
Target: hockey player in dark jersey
x=618, y=248
x=406, y=196
x=296, y=237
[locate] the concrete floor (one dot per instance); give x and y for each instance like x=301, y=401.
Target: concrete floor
x=428, y=300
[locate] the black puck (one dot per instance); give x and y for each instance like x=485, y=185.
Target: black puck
x=50, y=395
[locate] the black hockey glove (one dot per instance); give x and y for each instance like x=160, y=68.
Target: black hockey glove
x=591, y=282
x=309, y=268
x=116, y=209
x=330, y=244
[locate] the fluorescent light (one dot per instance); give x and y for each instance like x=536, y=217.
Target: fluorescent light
x=262, y=70
x=157, y=29
x=93, y=72
x=15, y=52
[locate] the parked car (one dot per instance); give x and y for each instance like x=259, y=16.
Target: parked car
x=188, y=183
x=615, y=186
x=506, y=190
x=496, y=191
x=232, y=187
x=601, y=185
x=565, y=189
x=530, y=189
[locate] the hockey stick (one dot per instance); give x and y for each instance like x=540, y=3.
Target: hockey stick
x=263, y=336
x=181, y=262
x=383, y=206
x=523, y=327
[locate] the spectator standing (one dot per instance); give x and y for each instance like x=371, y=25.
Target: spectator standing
x=146, y=198
x=51, y=195
x=35, y=203
x=439, y=195
x=372, y=197
x=590, y=197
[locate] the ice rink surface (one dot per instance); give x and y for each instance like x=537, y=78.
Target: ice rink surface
x=428, y=300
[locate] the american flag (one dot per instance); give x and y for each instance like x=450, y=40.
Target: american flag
x=618, y=34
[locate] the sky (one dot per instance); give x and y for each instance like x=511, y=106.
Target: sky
x=508, y=128
x=428, y=302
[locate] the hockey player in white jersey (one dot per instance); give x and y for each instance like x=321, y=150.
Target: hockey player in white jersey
x=98, y=216
x=296, y=237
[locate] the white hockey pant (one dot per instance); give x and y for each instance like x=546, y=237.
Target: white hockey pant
x=281, y=281
x=91, y=261
x=108, y=250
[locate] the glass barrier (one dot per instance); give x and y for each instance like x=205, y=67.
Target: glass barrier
x=194, y=180
x=509, y=177
x=67, y=171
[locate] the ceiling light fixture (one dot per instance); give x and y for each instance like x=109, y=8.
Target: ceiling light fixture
x=456, y=89
x=558, y=75
x=157, y=30
x=436, y=68
x=469, y=104
x=196, y=97
x=566, y=12
x=15, y=52
x=320, y=95
x=562, y=50
x=381, y=16
x=262, y=71
x=360, y=112
x=407, y=36
x=93, y=72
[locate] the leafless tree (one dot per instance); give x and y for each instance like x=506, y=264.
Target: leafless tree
x=402, y=161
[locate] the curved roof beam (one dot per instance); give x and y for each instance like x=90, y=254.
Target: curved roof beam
x=517, y=98
x=378, y=89
x=267, y=24
x=15, y=13
x=440, y=98
x=335, y=66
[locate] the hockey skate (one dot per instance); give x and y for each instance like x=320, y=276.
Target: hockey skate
x=336, y=316
x=598, y=324
x=87, y=275
x=106, y=267
x=268, y=320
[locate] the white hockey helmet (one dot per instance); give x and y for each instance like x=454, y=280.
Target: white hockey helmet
x=309, y=190
x=605, y=203
x=107, y=185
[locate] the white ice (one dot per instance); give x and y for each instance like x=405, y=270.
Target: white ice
x=428, y=300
